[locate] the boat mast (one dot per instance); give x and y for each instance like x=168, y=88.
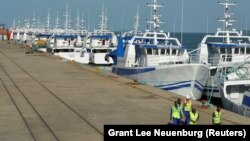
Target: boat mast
x=227, y=15
x=246, y=25
x=14, y=24
x=78, y=22
x=182, y=16
x=57, y=26
x=66, y=19
x=104, y=21
x=34, y=20
x=48, y=20
x=137, y=21
x=82, y=26
x=155, y=21
x=228, y=23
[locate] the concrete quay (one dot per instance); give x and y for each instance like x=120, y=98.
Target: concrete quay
x=45, y=98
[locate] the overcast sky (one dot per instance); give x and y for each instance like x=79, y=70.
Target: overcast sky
x=121, y=13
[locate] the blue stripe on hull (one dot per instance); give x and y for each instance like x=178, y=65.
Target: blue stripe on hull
x=176, y=87
x=206, y=90
x=121, y=71
x=198, y=87
x=173, y=86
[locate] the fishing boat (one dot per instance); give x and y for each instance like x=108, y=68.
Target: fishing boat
x=226, y=44
x=157, y=59
x=68, y=47
x=100, y=42
x=233, y=81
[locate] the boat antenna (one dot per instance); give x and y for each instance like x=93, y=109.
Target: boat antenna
x=82, y=23
x=57, y=21
x=66, y=19
x=228, y=22
x=103, y=23
x=174, y=26
x=48, y=20
x=137, y=21
x=121, y=24
x=14, y=24
x=155, y=20
x=78, y=21
x=207, y=24
x=182, y=14
x=246, y=24
x=34, y=20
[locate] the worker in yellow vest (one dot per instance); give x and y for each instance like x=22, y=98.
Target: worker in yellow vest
x=187, y=109
x=175, y=114
x=194, y=117
x=216, y=119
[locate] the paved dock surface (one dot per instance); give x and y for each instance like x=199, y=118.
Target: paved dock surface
x=45, y=98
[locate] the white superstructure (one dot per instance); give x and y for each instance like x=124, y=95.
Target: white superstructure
x=155, y=58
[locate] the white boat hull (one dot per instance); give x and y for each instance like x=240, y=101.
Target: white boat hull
x=75, y=56
x=182, y=79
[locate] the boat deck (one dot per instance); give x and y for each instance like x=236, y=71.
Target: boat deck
x=46, y=98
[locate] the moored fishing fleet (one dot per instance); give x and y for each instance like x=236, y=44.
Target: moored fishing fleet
x=219, y=67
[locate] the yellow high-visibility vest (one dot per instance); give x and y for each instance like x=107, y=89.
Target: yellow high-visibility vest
x=193, y=117
x=217, y=117
x=188, y=106
x=176, y=112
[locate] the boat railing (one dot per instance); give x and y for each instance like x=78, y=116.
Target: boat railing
x=193, y=58
x=224, y=58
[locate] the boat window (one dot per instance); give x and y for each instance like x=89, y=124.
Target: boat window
x=151, y=41
x=163, y=51
x=161, y=35
x=236, y=51
x=242, y=50
x=180, y=52
x=82, y=54
x=213, y=72
x=167, y=51
x=161, y=42
x=173, y=51
x=155, y=52
x=229, y=51
x=150, y=35
x=222, y=50
x=248, y=50
x=215, y=39
x=239, y=40
x=149, y=51
x=100, y=51
x=214, y=50
x=172, y=42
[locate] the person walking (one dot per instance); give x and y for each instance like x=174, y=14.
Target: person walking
x=194, y=117
x=187, y=109
x=216, y=118
x=175, y=114
x=180, y=105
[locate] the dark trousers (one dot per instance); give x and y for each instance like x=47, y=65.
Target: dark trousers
x=176, y=121
x=186, y=113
